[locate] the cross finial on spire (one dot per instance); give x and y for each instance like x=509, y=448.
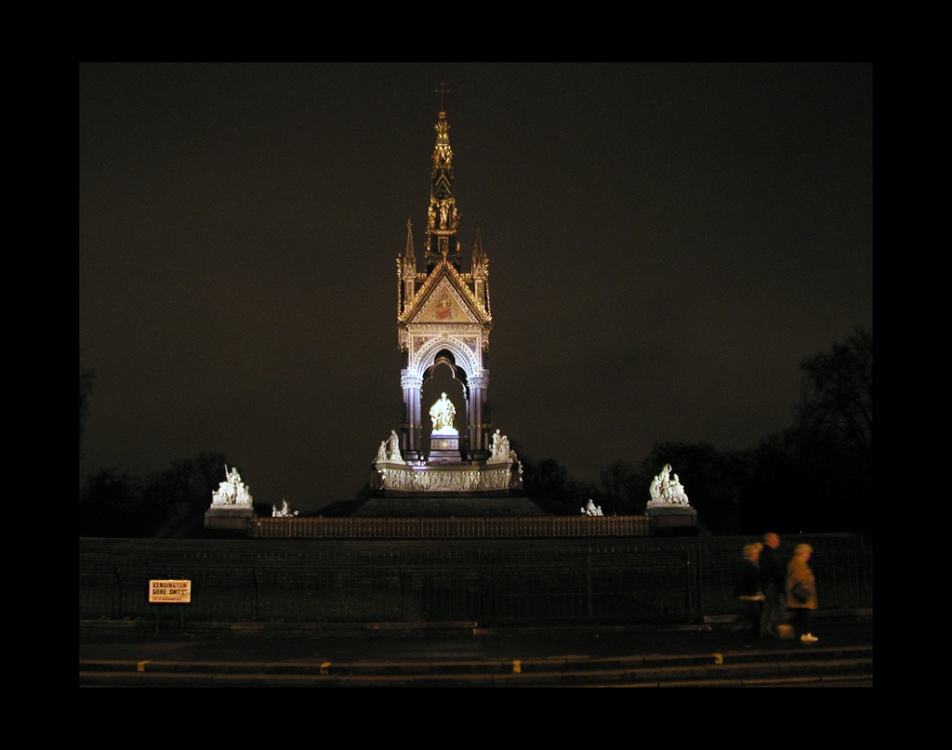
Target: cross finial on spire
x=441, y=91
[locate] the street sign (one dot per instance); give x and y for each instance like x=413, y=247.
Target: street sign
x=170, y=592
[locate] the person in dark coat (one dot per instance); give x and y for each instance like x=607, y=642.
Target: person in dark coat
x=748, y=589
x=773, y=578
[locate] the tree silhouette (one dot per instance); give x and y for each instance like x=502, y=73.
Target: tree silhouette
x=86, y=377
x=817, y=475
x=837, y=394
x=111, y=505
x=622, y=489
x=165, y=504
x=548, y=484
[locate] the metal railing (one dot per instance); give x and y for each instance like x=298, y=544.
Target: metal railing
x=494, y=582
x=516, y=527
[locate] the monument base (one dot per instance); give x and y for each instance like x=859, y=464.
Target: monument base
x=672, y=520
x=229, y=519
x=447, y=506
x=446, y=478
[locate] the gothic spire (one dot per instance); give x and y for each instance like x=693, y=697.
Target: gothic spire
x=480, y=272
x=442, y=215
x=406, y=272
x=409, y=256
x=480, y=266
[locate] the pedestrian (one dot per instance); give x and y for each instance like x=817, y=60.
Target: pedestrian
x=773, y=578
x=801, y=592
x=748, y=590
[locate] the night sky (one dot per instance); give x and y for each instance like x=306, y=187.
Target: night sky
x=666, y=243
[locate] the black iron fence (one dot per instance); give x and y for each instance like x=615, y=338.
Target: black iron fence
x=488, y=527
x=492, y=582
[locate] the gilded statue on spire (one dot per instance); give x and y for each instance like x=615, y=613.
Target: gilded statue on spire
x=442, y=154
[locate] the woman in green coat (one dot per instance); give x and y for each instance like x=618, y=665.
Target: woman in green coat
x=801, y=592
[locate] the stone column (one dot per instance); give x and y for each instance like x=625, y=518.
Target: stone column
x=478, y=428
x=410, y=437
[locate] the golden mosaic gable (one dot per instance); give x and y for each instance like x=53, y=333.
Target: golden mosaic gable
x=444, y=304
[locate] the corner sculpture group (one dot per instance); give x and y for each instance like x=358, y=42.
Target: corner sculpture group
x=232, y=492
x=664, y=491
x=389, y=450
x=667, y=491
x=591, y=509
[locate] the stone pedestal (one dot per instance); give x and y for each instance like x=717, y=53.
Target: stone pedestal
x=444, y=449
x=230, y=519
x=501, y=503
x=672, y=520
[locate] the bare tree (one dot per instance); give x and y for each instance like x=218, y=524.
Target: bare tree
x=837, y=393
x=86, y=377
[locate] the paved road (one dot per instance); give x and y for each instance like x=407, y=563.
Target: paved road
x=227, y=644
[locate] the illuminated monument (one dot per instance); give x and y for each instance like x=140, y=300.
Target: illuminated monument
x=669, y=508
x=445, y=458
x=232, y=507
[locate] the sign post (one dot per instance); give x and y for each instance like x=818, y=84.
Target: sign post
x=168, y=591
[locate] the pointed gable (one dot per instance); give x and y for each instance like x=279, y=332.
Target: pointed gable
x=444, y=305
x=445, y=298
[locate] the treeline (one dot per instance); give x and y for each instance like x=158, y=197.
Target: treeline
x=816, y=476
x=162, y=504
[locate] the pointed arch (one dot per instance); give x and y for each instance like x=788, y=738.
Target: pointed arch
x=461, y=354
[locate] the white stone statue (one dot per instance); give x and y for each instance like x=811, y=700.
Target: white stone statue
x=232, y=491
x=500, y=450
x=515, y=478
x=591, y=509
x=678, y=495
x=667, y=491
x=442, y=413
x=389, y=450
x=393, y=448
x=284, y=512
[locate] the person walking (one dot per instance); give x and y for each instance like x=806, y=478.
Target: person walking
x=801, y=592
x=773, y=579
x=748, y=590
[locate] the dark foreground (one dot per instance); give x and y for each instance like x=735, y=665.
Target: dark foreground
x=461, y=655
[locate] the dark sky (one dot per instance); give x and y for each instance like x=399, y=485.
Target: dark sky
x=666, y=243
